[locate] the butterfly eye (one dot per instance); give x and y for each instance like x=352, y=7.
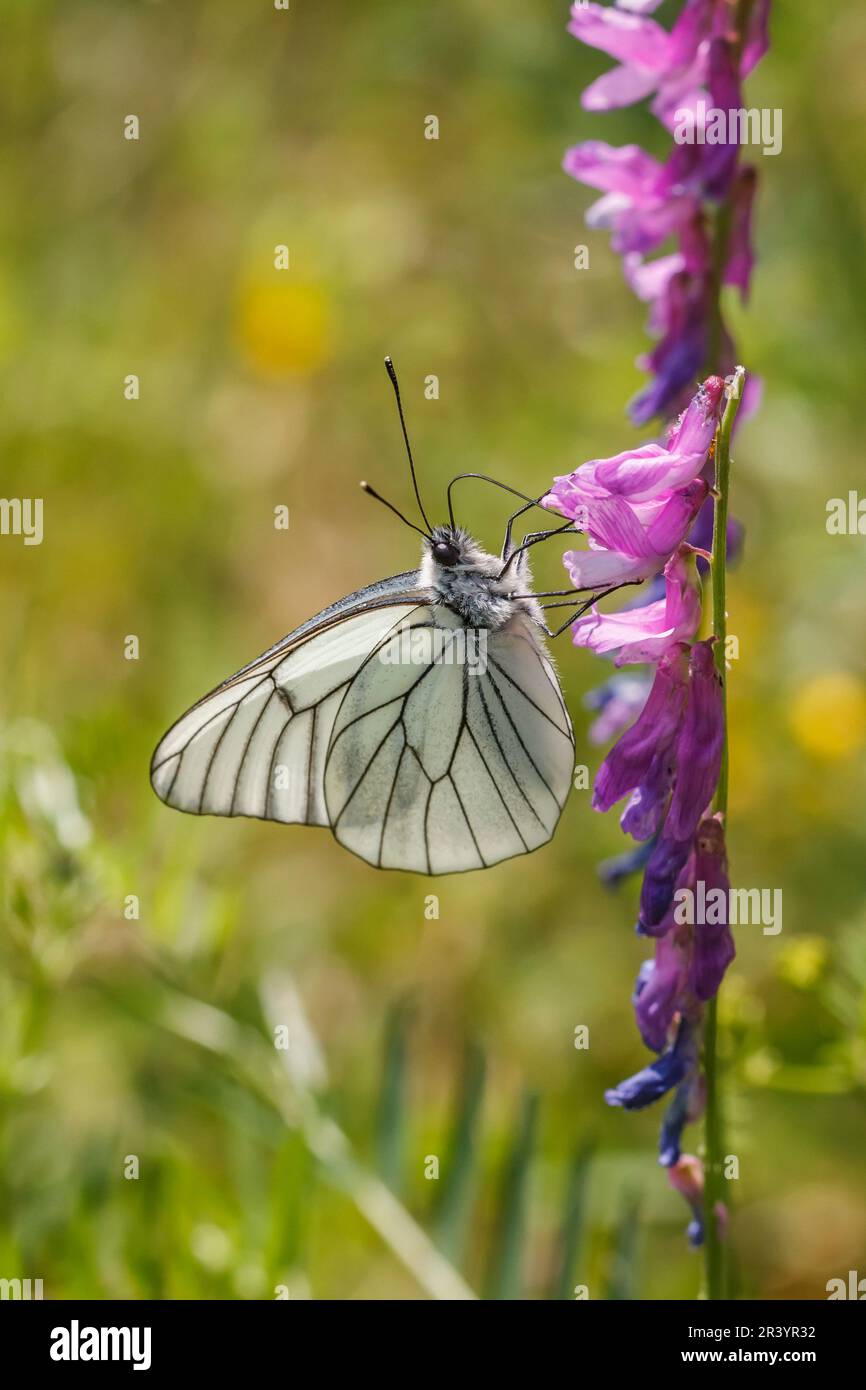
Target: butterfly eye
x=445, y=553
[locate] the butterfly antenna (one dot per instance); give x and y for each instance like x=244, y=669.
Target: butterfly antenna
x=389, y=367
x=506, y=487
x=371, y=492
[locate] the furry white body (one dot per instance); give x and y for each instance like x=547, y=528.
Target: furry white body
x=473, y=587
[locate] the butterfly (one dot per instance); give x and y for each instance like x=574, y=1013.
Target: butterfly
x=420, y=719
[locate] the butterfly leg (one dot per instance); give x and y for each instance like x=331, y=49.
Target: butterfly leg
x=554, y=593
x=572, y=617
x=506, y=544
x=559, y=593
x=533, y=539
x=580, y=610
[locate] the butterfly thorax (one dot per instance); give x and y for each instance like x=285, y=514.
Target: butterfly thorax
x=458, y=572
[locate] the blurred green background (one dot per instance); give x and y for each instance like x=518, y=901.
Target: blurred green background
x=410, y=1037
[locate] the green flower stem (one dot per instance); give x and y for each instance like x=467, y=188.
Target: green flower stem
x=714, y=1286
x=714, y=1274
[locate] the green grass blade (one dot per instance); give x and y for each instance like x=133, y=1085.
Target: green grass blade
x=573, y=1221
x=503, y=1279
x=623, y=1276
x=451, y=1221
x=391, y=1108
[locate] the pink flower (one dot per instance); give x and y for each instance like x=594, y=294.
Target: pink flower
x=637, y=506
x=644, y=201
x=644, y=474
x=652, y=60
x=697, y=67
x=651, y=281
x=674, y=65
x=638, y=510
x=644, y=634
x=629, y=543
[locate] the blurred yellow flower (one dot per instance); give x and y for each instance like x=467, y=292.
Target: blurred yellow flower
x=211, y=1246
x=828, y=715
x=739, y=1005
x=760, y=1067
x=282, y=326
x=802, y=961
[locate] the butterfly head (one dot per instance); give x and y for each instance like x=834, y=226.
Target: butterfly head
x=450, y=553
x=460, y=573
x=445, y=548
x=452, y=548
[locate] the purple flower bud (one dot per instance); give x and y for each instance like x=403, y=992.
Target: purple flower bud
x=686, y=1107
x=738, y=270
x=629, y=761
x=699, y=745
x=658, y=1078
x=719, y=161
x=617, y=701
x=683, y=320
x=694, y=430
x=661, y=877
x=659, y=989
x=757, y=38
x=644, y=812
x=686, y=1176
x=613, y=871
x=712, y=944
x=673, y=1124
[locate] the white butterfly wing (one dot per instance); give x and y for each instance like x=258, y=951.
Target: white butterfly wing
x=256, y=745
x=438, y=764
